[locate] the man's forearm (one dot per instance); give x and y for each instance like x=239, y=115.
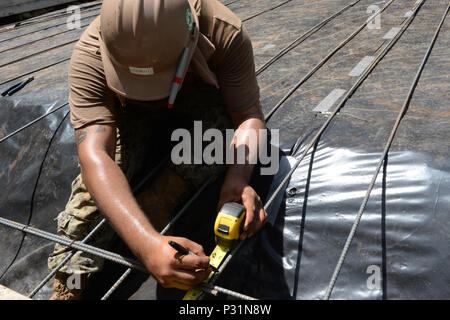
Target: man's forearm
x=247, y=131
x=109, y=186
x=249, y=124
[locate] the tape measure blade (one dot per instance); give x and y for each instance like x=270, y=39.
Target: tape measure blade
x=218, y=255
x=216, y=259
x=192, y=294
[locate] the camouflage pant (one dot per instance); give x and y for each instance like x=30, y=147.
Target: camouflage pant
x=141, y=132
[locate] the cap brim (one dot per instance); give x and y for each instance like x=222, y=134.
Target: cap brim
x=142, y=87
x=136, y=87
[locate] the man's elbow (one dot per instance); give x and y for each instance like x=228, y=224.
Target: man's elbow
x=93, y=160
x=253, y=112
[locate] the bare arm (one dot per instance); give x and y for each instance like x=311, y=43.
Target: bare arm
x=106, y=182
x=236, y=186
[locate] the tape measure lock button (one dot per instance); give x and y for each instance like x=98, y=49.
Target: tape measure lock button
x=223, y=229
x=229, y=221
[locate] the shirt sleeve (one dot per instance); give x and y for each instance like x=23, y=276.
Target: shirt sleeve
x=236, y=73
x=90, y=99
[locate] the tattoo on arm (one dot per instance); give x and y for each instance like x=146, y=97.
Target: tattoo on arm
x=100, y=128
x=82, y=135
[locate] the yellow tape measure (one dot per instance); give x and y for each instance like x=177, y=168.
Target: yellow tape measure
x=227, y=229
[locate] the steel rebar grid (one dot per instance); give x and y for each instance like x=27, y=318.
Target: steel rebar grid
x=33, y=122
x=323, y=128
x=324, y=60
x=272, y=111
x=166, y=228
x=47, y=17
x=132, y=263
x=261, y=69
x=382, y=158
x=93, y=231
x=302, y=37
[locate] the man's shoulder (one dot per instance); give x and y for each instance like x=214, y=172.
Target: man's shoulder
x=216, y=20
x=87, y=81
x=90, y=39
x=86, y=54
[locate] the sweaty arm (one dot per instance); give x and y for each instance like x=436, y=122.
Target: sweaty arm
x=104, y=179
x=239, y=88
x=236, y=186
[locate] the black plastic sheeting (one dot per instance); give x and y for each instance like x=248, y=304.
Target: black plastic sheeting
x=36, y=167
x=401, y=248
x=403, y=233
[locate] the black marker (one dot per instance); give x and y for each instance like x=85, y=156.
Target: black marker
x=180, y=248
x=185, y=251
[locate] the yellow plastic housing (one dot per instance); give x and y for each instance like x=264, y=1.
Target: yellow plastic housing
x=233, y=224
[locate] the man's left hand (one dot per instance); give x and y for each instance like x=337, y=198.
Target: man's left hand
x=237, y=189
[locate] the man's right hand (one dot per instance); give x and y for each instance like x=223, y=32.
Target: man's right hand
x=173, y=269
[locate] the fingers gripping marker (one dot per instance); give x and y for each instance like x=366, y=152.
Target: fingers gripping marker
x=227, y=229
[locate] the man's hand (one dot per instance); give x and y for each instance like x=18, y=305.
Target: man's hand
x=236, y=189
x=176, y=270
x=107, y=183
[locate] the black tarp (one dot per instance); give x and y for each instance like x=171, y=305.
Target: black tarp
x=403, y=235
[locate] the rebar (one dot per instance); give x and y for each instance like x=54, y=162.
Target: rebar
x=383, y=156
x=315, y=139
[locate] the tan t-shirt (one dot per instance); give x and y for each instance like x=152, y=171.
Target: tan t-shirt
x=223, y=58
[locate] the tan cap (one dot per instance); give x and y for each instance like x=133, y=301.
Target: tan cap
x=143, y=43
